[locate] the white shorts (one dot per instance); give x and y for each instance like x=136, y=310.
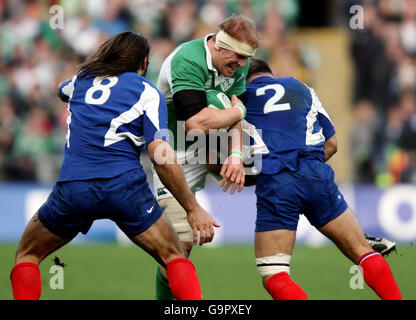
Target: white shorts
x=195, y=175
x=177, y=216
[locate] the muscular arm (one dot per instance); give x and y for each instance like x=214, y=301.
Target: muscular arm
x=330, y=147
x=209, y=118
x=191, y=107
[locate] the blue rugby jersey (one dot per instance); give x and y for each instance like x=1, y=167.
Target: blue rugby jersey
x=110, y=120
x=292, y=120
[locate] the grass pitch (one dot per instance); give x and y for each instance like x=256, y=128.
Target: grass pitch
x=110, y=271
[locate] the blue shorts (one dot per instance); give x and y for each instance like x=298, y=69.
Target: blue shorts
x=126, y=199
x=310, y=190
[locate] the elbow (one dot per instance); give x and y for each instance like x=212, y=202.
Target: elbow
x=193, y=124
x=334, y=146
x=198, y=123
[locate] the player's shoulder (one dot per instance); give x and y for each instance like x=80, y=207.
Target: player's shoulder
x=295, y=86
x=289, y=83
x=192, y=52
x=292, y=83
x=134, y=78
x=138, y=83
x=131, y=76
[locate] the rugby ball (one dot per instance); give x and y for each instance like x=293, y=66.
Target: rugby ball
x=217, y=99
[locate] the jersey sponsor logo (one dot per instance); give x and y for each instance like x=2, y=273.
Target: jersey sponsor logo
x=241, y=77
x=161, y=191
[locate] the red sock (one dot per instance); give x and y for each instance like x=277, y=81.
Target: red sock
x=281, y=287
x=378, y=276
x=183, y=280
x=26, y=282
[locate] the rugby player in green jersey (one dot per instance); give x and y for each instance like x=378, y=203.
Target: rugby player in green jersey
x=218, y=61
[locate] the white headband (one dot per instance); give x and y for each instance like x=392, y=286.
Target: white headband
x=224, y=40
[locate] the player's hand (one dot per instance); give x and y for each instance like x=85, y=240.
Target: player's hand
x=232, y=172
x=235, y=100
x=203, y=223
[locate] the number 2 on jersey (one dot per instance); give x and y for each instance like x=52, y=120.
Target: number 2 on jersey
x=271, y=105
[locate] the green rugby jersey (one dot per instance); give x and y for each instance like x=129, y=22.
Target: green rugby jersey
x=190, y=67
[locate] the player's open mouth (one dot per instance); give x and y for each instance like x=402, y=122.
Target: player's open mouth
x=233, y=67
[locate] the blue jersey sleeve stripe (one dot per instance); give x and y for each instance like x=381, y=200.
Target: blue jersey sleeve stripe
x=155, y=115
x=326, y=124
x=62, y=95
x=324, y=120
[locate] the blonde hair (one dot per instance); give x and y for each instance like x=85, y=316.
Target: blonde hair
x=242, y=28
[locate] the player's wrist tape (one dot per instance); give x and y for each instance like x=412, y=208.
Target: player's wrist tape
x=238, y=153
x=242, y=110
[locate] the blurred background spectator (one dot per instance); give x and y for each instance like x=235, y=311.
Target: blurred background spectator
x=34, y=58
x=384, y=58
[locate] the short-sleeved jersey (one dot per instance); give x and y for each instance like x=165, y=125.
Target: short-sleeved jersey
x=190, y=67
x=110, y=120
x=292, y=121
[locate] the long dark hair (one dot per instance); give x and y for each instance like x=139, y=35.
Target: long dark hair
x=123, y=52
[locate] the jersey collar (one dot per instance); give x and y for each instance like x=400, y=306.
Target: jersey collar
x=262, y=78
x=210, y=66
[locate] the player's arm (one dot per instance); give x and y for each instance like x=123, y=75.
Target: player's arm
x=171, y=175
x=328, y=130
x=191, y=107
x=330, y=147
x=216, y=119
x=188, y=80
x=232, y=171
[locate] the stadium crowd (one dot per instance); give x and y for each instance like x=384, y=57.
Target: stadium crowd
x=384, y=55
x=34, y=58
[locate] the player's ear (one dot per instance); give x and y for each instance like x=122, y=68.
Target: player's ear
x=216, y=47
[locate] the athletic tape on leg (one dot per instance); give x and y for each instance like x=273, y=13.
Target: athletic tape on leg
x=273, y=264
